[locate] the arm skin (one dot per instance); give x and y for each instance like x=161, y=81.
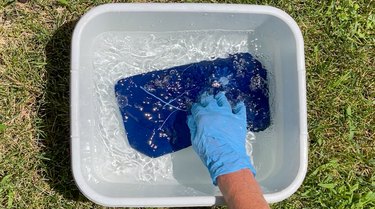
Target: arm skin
x=241, y=191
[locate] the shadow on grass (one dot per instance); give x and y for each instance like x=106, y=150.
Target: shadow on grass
x=55, y=114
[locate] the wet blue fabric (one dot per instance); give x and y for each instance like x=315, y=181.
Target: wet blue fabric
x=154, y=106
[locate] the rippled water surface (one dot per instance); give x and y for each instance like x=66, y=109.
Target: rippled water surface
x=118, y=55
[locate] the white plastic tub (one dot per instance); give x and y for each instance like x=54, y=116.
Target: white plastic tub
x=282, y=160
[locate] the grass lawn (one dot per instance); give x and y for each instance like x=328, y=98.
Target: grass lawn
x=34, y=102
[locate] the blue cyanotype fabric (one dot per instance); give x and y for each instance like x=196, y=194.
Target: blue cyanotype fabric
x=154, y=106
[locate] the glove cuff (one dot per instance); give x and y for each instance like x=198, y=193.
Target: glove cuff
x=228, y=162
x=220, y=172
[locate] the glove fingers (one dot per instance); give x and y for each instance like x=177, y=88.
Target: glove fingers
x=240, y=109
x=192, y=126
x=207, y=99
x=195, y=109
x=222, y=100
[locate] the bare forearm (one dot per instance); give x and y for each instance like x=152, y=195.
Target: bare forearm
x=241, y=191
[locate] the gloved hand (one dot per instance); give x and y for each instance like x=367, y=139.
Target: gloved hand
x=218, y=135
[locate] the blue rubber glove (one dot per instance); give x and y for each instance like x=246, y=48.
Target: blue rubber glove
x=218, y=135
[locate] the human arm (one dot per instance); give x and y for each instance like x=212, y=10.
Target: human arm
x=218, y=135
x=241, y=191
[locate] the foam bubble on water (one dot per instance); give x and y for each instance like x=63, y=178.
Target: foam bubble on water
x=117, y=55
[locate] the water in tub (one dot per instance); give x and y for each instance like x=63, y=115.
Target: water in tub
x=117, y=55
